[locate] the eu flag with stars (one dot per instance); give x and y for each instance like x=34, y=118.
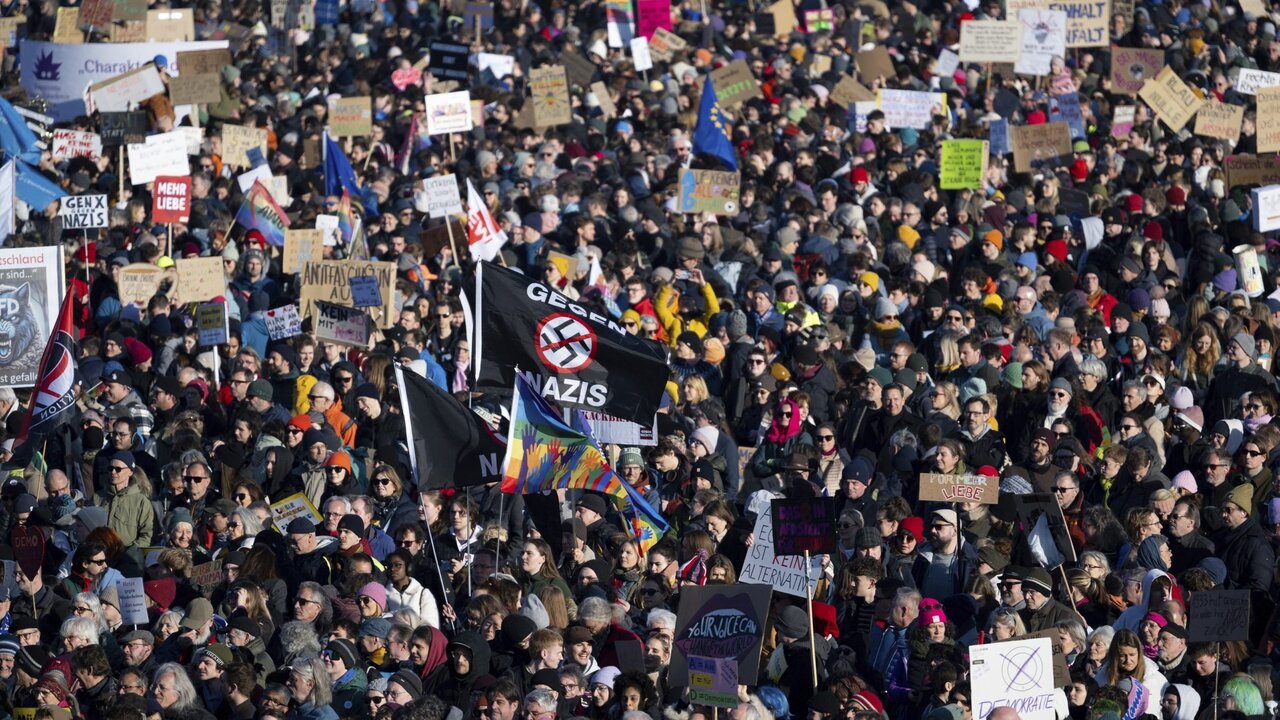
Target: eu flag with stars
x=711, y=136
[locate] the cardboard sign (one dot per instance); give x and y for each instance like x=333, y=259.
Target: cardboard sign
x=1088, y=21
x=1220, y=120
x=203, y=62
x=579, y=70
x=1044, y=37
x=139, y=282
x=96, y=13
x=549, y=96
x=171, y=200
x=990, y=41
x=195, y=88
x=364, y=291
x=734, y=84
x=442, y=195
x=607, y=108
x=211, y=323
x=283, y=322
x=296, y=505
x=710, y=191
x=160, y=155
x=170, y=26
x=1132, y=67
x=127, y=90
x=651, y=16
x=341, y=325
x=301, y=246
x=200, y=279
x=713, y=681
x=449, y=112
x=9, y=30
x=435, y=239
x=73, y=143
x=963, y=164
x=1249, y=81
x=448, y=61
x=1268, y=119
x=207, y=574
x=119, y=128
x=1252, y=170
x=804, y=526
x=724, y=621
x=1036, y=146
x=874, y=64
x=959, y=488
x=784, y=17
x=849, y=91
x=330, y=281
x=133, y=601
x=236, y=142
x=66, y=28
x=1218, y=616
x=1015, y=673
x=83, y=212
x=664, y=44
x=785, y=573
x=1066, y=108
x=28, y=549
x=910, y=108
x=1175, y=103
x=351, y=117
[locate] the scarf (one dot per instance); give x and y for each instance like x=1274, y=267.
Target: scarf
x=884, y=329
x=779, y=434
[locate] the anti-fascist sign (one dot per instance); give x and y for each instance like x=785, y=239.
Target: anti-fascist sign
x=83, y=212
x=573, y=355
x=725, y=621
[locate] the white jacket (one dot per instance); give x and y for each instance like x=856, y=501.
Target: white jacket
x=416, y=598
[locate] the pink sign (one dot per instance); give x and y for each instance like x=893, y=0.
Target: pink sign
x=651, y=15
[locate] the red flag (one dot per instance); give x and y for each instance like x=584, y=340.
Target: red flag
x=54, y=395
x=483, y=234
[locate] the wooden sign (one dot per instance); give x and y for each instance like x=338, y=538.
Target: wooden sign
x=1132, y=67
x=734, y=84
x=1175, y=103
x=709, y=191
x=1036, y=146
x=549, y=96
x=200, y=279
x=960, y=488
x=237, y=140
x=1268, y=120
x=990, y=41
x=1220, y=120
x=351, y=117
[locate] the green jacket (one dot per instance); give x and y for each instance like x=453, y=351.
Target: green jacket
x=348, y=695
x=129, y=513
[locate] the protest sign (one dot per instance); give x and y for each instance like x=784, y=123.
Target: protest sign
x=724, y=621
x=849, y=91
x=550, y=96
x=963, y=164
x=28, y=549
x=406, y=77
x=785, y=573
x=170, y=25
x=330, y=281
x=959, y=488
x=1074, y=203
x=448, y=112
x=651, y=16
x=804, y=526
x=351, y=117
x=1266, y=210
x=1220, y=120
x=1174, y=102
x=126, y=90
x=83, y=212
x=1249, y=81
x=998, y=134
x=990, y=41
x=910, y=108
x=203, y=62
x=734, y=84
x=1031, y=509
x=283, y=322
x=1036, y=146
x=1044, y=37
x=448, y=60
x=200, y=279
x=237, y=140
x=664, y=44
x=9, y=30
x=710, y=191
x=95, y=13
x=606, y=428
x=211, y=323
x=784, y=17
x=578, y=69
x=435, y=239
x=342, y=325
x=195, y=88
x=1122, y=120
x=1066, y=108
x=171, y=200
x=207, y=574
x=713, y=681
x=1088, y=21
x=133, y=601
x=442, y=195
x=301, y=246
x=160, y=155
x=621, y=25
x=1015, y=673
x=948, y=63
x=296, y=505
x=364, y=291
x=65, y=29
x=477, y=16
x=139, y=282
x=818, y=20
x=500, y=65
x=640, y=56
x=605, y=100
x=1252, y=169
x=1218, y=616
x=119, y=128
x=1132, y=67
x=1268, y=119
x=874, y=64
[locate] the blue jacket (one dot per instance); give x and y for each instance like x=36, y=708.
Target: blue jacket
x=888, y=650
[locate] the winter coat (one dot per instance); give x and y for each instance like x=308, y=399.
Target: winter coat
x=416, y=598
x=130, y=514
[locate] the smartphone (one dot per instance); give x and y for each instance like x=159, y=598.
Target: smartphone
x=683, y=275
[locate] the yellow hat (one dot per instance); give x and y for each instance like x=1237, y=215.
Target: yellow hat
x=871, y=279
x=165, y=262
x=631, y=315
x=908, y=236
x=993, y=302
x=562, y=264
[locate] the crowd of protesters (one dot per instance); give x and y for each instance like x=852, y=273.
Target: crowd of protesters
x=848, y=327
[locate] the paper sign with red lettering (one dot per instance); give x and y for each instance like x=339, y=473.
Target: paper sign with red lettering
x=959, y=488
x=171, y=202
x=73, y=143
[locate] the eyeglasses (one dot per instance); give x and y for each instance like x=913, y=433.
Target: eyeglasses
x=1060, y=393
x=1253, y=406
x=846, y=526
x=334, y=470
x=118, y=469
x=1254, y=453
x=409, y=543
x=304, y=601
x=194, y=478
x=240, y=496
x=1214, y=467
x=1128, y=427
x=1062, y=490
x=826, y=438
x=346, y=379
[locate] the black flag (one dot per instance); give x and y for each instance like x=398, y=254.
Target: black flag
x=574, y=356
x=449, y=445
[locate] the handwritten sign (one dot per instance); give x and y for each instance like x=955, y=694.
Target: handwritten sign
x=990, y=41
x=119, y=128
x=330, y=281
x=139, y=282
x=550, y=96
x=237, y=140
x=1015, y=673
x=849, y=91
x=801, y=526
x=1252, y=170
x=964, y=163
x=195, y=88
x=1218, y=616
x=96, y=13
x=364, y=291
x=1220, y=120
x=1036, y=146
x=442, y=195
x=1175, y=103
x=127, y=90
x=83, y=212
x=710, y=191
x=1249, y=81
x=713, y=681
x=1132, y=67
x=171, y=201
x=207, y=574
x=65, y=28
x=1268, y=119
x=283, y=322
x=785, y=573
x=200, y=279
x=1044, y=37
x=1088, y=21
x=204, y=62
x=1066, y=108
x=910, y=108
x=301, y=246
x=342, y=325
x=664, y=44
x=351, y=117
x=734, y=84
x=959, y=488
x=721, y=621
x=1122, y=120
x=449, y=112
x=28, y=549
x=133, y=601
x=170, y=26
x=211, y=323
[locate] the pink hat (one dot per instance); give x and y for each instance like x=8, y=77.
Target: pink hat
x=1192, y=416
x=375, y=592
x=931, y=612
x=1186, y=481
x=1156, y=618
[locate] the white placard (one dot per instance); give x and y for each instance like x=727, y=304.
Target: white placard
x=610, y=429
x=500, y=65
x=442, y=195
x=83, y=212
x=910, y=108
x=8, y=190
x=329, y=224
x=283, y=322
x=640, y=53
x=73, y=143
x=1250, y=80
x=1016, y=674
x=160, y=155
x=1044, y=37
x=193, y=137
x=785, y=573
x=947, y=63
x=449, y=112
x=133, y=601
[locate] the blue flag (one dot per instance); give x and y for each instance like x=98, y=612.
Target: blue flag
x=327, y=12
x=34, y=188
x=711, y=136
x=16, y=139
x=338, y=174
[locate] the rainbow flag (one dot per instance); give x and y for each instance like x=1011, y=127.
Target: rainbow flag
x=544, y=453
x=350, y=229
x=261, y=212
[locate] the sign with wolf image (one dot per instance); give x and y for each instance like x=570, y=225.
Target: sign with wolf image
x=30, y=290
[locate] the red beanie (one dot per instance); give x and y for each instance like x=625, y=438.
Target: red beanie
x=1153, y=231
x=1135, y=203
x=1080, y=171
x=1057, y=248
x=1036, y=117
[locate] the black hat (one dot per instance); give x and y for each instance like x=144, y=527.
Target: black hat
x=352, y=522
x=1038, y=578
x=548, y=677
x=806, y=355
x=1175, y=630
x=246, y=624
x=300, y=526
x=592, y=501
x=169, y=384
x=825, y=703
x=31, y=659
x=868, y=537
x=342, y=649
x=408, y=680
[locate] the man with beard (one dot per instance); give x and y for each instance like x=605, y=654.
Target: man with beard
x=1039, y=467
x=983, y=445
x=1061, y=405
x=1172, y=652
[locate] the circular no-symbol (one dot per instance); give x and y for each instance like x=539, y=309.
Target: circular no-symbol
x=565, y=343
x=1021, y=670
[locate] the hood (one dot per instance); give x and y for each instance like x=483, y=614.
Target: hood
x=1147, y=580
x=480, y=652
x=1188, y=702
x=1234, y=431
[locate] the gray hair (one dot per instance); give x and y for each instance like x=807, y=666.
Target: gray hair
x=1097, y=557
x=299, y=638
x=1094, y=367
x=82, y=628
x=659, y=618
x=595, y=609
x=7, y=395
x=541, y=697
x=408, y=616
x=95, y=604
x=181, y=685
x=1104, y=633
x=248, y=520
x=324, y=388
x=907, y=597
x=341, y=500
x=1075, y=630
x=313, y=669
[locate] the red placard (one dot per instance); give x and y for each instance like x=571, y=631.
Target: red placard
x=171, y=201
x=28, y=549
